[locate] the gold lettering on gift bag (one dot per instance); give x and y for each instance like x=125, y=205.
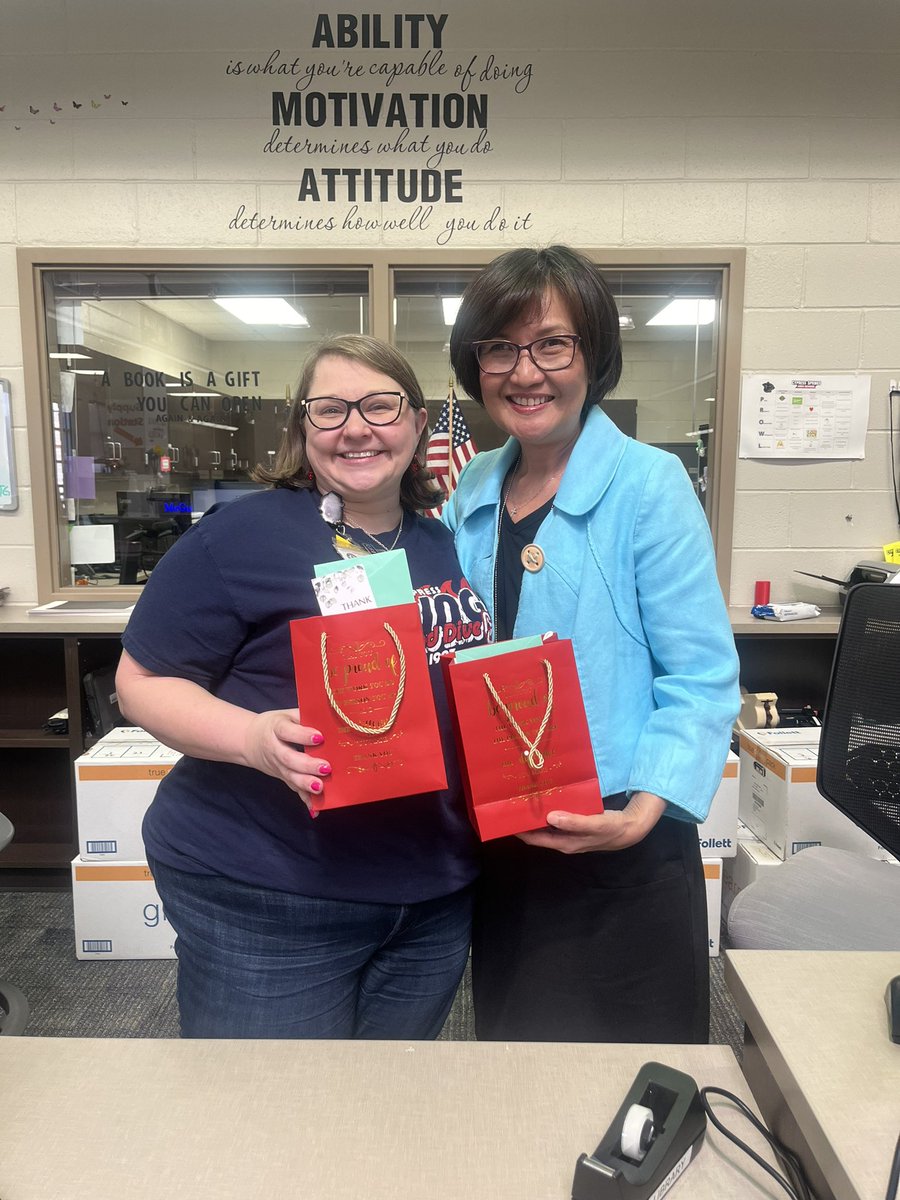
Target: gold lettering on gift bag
x=533, y=756
x=369, y=661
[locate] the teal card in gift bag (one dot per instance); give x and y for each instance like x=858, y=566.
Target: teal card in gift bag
x=370, y=581
x=495, y=648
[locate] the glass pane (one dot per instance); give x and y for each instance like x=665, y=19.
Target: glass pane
x=669, y=320
x=667, y=393
x=425, y=304
x=166, y=390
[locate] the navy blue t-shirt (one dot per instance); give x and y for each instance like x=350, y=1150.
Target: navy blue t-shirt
x=216, y=610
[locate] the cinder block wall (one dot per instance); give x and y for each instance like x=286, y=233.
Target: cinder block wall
x=775, y=126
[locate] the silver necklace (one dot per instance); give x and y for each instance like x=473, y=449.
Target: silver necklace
x=396, y=537
x=514, y=508
x=378, y=542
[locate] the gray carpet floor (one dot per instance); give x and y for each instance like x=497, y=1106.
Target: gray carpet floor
x=136, y=999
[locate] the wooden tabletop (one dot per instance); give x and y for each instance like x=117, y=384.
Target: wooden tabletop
x=104, y=1119
x=14, y=618
x=820, y=1021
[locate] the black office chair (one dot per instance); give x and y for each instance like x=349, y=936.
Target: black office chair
x=14, y=1010
x=824, y=898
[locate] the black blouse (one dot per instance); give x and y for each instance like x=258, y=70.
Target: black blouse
x=514, y=537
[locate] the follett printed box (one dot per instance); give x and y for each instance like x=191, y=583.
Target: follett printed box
x=118, y=912
x=779, y=800
x=712, y=871
x=114, y=785
x=752, y=859
x=718, y=833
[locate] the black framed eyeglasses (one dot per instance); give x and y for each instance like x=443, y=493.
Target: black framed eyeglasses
x=496, y=356
x=331, y=412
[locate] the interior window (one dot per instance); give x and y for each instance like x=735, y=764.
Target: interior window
x=166, y=388
x=669, y=319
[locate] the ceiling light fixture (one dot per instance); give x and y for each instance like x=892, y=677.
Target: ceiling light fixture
x=69, y=354
x=626, y=320
x=686, y=311
x=263, y=310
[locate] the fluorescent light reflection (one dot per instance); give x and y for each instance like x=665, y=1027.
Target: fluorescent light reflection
x=450, y=305
x=212, y=425
x=686, y=311
x=263, y=310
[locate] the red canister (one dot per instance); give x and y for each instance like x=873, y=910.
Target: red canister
x=761, y=592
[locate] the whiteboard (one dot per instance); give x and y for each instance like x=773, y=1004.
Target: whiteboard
x=9, y=495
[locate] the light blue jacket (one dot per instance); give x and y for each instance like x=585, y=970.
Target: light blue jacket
x=630, y=578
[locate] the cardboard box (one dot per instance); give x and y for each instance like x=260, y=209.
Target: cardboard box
x=791, y=735
x=752, y=859
x=118, y=912
x=712, y=870
x=718, y=833
x=780, y=803
x=114, y=785
x=126, y=733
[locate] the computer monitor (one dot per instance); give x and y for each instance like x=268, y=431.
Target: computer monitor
x=222, y=491
x=173, y=507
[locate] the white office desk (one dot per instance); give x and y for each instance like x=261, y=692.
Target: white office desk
x=819, y=1057
x=105, y=1119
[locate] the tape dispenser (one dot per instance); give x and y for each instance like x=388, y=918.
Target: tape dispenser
x=650, y=1143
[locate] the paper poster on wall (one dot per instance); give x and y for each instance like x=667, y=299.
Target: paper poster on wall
x=804, y=415
x=9, y=496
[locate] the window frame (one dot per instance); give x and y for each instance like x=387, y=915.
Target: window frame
x=379, y=263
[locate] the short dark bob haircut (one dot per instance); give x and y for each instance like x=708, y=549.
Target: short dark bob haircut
x=515, y=287
x=418, y=487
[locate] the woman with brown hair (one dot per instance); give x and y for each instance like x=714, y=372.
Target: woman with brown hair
x=355, y=924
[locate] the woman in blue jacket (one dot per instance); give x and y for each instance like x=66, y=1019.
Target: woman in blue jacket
x=593, y=928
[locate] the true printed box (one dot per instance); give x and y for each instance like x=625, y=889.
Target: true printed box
x=779, y=800
x=712, y=872
x=718, y=833
x=118, y=912
x=114, y=785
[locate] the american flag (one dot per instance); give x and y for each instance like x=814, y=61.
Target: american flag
x=446, y=467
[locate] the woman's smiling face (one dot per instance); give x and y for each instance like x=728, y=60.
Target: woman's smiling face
x=361, y=462
x=538, y=407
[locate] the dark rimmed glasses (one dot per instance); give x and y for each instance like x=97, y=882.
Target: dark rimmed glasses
x=331, y=412
x=496, y=356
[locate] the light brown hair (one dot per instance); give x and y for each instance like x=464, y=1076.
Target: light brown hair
x=418, y=487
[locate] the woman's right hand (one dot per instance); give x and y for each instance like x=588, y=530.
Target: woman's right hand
x=272, y=745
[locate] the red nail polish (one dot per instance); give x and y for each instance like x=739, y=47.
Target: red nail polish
x=315, y=785
x=325, y=769
x=317, y=739
x=314, y=812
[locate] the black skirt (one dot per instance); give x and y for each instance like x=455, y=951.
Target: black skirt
x=597, y=947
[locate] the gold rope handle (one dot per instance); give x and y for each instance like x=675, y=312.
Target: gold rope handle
x=533, y=756
x=369, y=730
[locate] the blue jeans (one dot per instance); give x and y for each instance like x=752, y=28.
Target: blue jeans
x=254, y=963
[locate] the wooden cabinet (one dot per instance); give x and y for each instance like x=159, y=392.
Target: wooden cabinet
x=41, y=672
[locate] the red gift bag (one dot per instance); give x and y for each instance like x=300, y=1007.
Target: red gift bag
x=363, y=680
x=523, y=739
